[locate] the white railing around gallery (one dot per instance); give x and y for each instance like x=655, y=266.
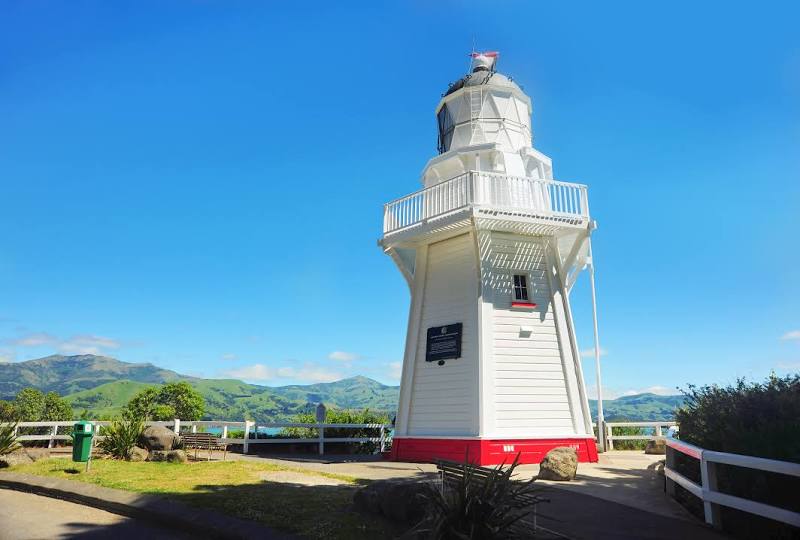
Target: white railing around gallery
x=542, y=198
x=646, y=431
x=707, y=489
x=59, y=431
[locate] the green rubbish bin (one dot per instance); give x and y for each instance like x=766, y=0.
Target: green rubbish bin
x=82, y=433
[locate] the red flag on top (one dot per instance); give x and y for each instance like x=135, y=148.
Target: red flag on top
x=490, y=54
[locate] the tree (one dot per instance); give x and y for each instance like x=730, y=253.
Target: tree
x=142, y=405
x=7, y=411
x=56, y=408
x=187, y=402
x=31, y=405
x=173, y=400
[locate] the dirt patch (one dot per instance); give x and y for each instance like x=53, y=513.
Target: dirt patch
x=291, y=477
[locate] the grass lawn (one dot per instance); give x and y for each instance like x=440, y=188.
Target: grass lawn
x=236, y=488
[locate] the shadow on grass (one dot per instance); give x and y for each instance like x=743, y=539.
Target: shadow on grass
x=285, y=509
x=312, y=511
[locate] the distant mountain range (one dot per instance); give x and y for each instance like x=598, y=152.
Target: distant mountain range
x=103, y=385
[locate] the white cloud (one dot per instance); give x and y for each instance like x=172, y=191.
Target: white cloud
x=343, y=356
x=256, y=372
x=7, y=355
x=614, y=393
x=589, y=353
x=308, y=373
x=80, y=344
x=788, y=366
x=87, y=344
x=395, y=370
x=658, y=390
x=229, y=357
x=37, y=339
x=791, y=335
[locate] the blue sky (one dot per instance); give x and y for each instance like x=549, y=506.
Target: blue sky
x=199, y=184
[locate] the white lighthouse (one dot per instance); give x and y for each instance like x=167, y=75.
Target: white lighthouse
x=490, y=247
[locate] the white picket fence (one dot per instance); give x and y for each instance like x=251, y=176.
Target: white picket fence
x=382, y=438
x=659, y=429
x=707, y=490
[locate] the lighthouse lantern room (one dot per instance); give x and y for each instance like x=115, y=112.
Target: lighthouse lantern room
x=490, y=248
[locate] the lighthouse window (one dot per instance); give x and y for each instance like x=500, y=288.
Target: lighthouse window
x=520, y=288
x=446, y=128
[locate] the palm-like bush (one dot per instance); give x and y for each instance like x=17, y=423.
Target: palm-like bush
x=121, y=436
x=478, y=508
x=8, y=439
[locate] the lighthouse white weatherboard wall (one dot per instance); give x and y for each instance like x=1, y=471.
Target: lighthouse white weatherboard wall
x=490, y=248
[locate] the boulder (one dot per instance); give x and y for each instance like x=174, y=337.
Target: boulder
x=560, y=464
x=22, y=456
x=37, y=453
x=138, y=454
x=158, y=455
x=177, y=456
x=657, y=447
x=173, y=456
x=367, y=499
x=158, y=438
x=397, y=500
x=17, y=457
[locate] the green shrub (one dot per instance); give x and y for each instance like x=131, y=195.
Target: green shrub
x=121, y=436
x=341, y=416
x=172, y=400
x=8, y=439
x=755, y=419
x=473, y=508
x=629, y=445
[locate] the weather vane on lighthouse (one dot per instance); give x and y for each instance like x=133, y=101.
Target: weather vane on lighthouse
x=490, y=247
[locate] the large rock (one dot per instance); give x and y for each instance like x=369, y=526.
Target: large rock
x=38, y=453
x=158, y=455
x=23, y=456
x=138, y=454
x=158, y=438
x=397, y=500
x=560, y=464
x=657, y=447
x=173, y=456
x=18, y=457
x=177, y=456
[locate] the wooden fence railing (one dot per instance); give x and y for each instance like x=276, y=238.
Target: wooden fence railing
x=707, y=490
x=656, y=430
x=383, y=432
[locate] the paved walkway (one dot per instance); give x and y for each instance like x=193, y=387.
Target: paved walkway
x=25, y=516
x=158, y=512
x=620, y=497
x=628, y=478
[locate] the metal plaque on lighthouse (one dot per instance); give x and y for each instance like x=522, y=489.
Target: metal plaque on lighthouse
x=444, y=342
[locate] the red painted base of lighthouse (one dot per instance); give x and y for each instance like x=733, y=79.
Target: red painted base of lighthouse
x=486, y=451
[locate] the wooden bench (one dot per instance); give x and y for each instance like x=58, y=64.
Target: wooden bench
x=452, y=473
x=204, y=441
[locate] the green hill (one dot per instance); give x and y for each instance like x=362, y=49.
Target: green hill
x=640, y=407
x=106, y=400
x=103, y=385
x=236, y=400
x=69, y=374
